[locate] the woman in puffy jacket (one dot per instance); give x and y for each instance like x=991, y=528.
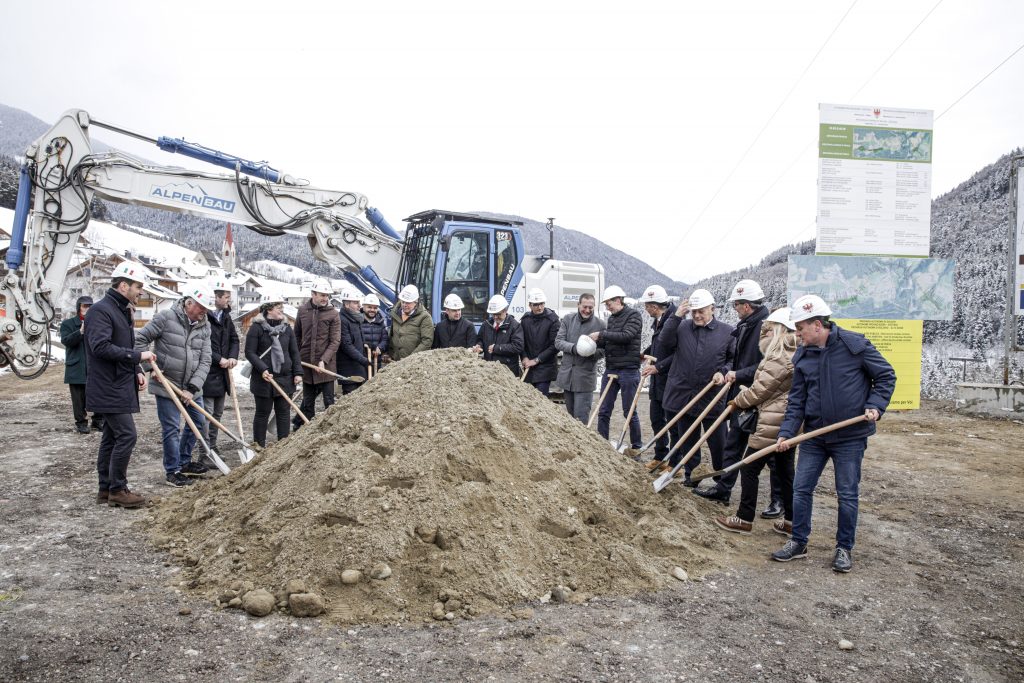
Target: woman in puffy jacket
x=768, y=394
x=271, y=348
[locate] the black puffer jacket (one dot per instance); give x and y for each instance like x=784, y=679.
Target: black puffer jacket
x=539, y=332
x=621, y=339
x=352, y=352
x=223, y=344
x=111, y=355
x=747, y=354
x=507, y=340
x=375, y=332
x=450, y=334
x=257, y=343
x=664, y=365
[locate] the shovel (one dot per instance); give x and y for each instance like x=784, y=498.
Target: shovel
x=369, y=360
x=664, y=480
x=344, y=378
x=245, y=454
x=632, y=408
x=677, y=418
x=188, y=418
x=593, y=413
x=757, y=455
x=525, y=373
x=234, y=400
x=277, y=387
x=696, y=447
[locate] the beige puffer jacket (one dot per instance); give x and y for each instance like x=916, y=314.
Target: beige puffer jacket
x=770, y=392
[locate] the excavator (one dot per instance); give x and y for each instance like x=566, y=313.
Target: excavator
x=442, y=252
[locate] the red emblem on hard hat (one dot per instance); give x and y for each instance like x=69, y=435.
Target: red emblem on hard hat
x=808, y=306
x=739, y=290
x=877, y=113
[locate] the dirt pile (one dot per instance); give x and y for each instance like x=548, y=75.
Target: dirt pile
x=443, y=488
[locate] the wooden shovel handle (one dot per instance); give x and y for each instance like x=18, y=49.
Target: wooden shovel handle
x=234, y=401
x=593, y=413
x=317, y=368
x=171, y=390
x=696, y=423
x=211, y=418
x=286, y=397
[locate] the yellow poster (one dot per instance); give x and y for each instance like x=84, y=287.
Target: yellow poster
x=900, y=342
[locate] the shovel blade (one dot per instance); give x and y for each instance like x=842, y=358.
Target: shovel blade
x=221, y=465
x=662, y=481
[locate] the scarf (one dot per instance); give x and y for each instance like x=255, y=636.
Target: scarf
x=276, y=352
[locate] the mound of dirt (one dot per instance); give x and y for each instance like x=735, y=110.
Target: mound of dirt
x=443, y=488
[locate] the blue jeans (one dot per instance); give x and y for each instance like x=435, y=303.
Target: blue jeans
x=628, y=382
x=846, y=458
x=177, y=443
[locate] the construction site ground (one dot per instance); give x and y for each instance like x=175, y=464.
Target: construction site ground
x=936, y=593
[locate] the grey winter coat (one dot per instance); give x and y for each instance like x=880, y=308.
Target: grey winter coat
x=182, y=349
x=577, y=373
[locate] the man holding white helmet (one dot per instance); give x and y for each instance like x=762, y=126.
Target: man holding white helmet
x=540, y=327
x=452, y=330
x=656, y=303
x=114, y=381
x=375, y=326
x=747, y=300
x=837, y=374
x=620, y=341
x=352, y=358
x=180, y=337
x=501, y=335
x=577, y=375
x=412, y=329
x=318, y=334
x=224, y=349
x=701, y=348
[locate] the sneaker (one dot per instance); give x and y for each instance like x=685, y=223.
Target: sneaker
x=713, y=493
x=773, y=511
x=734, y=524
x=842, y=561
x=125, y=499
x=653, y=465
x=781, y=526
x=101, y=497
x=194, y=469
x=178, y=480
x=791, y=551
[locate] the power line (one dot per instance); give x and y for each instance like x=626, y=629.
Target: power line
x=742, y=158
x=983, y=78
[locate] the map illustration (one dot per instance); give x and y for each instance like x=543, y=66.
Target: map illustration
x=876, y=288
x=892, y=145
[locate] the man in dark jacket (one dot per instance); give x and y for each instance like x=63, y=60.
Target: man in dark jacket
x=621, y=345
x=452, y=330
x=318, y=334
x=657, y=305
x=577, y=374
x=375, y=327
x=114, y=381
x=540, y=327
x=701, y=350
x=224, y=348
x=837, y=374
x=352, y=358
x=72, y=334
x=501, y=336
x=747, y=300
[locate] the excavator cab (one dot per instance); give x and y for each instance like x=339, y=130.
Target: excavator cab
x=455, y=253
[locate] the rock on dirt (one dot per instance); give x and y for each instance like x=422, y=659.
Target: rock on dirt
x=258, y=603
x=305, y=605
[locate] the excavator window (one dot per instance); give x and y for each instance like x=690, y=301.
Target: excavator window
x=465, y=272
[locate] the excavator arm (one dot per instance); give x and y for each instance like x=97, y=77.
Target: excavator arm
x=61, y=176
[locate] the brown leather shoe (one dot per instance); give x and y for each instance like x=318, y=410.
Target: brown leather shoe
x=101, y=497
x=653, y=465
x=125, y=499
x=781, y=526
x=734, y=524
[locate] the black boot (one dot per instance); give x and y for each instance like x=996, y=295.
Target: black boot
x=713, y=493
x=773, y=511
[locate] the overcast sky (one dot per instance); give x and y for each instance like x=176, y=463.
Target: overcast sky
x=621, y=120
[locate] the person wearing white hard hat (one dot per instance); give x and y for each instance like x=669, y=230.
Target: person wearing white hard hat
x=318, y=334
x=501, y=336
x=224, y=350
x=453, y=330
x=747, y=300
x=540, y=327
x=180, y=336
x=657, y=305
x=352, y=358
x=577, y=373
x=620, y=341
x=767, y=395
x=412, y=329
x=837, y=374
x=701, y=348
x=271, y=349
x=114, y=381
x=375, y=326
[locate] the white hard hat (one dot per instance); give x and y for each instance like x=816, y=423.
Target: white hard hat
x=271, y=296
x=130, y=270
x=201, y=293
x=781, y=316
x=453, y=302
x=655, y=294
x=370, y=300
x=321, y=286
x=701, y=298
x=585, y=346
x=497, y=304
x=536, y=296
x=350, y=294
x=809, y=306
x=746, y=290
x=219, y=284
x=612, y=292
x=409, y=294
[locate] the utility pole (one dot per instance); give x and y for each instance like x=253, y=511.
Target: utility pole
x=551, y=238
x=1010, y=324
